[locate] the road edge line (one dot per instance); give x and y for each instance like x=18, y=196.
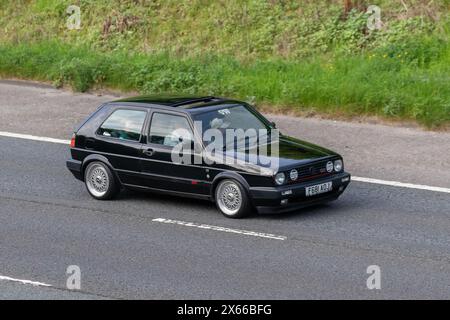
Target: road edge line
x=34, y=138
x=401, y=184
x=33, y=283
x=354, y=178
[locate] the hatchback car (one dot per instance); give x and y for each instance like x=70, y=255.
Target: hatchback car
x=131, y=143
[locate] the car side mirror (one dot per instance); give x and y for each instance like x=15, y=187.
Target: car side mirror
x=273, y=124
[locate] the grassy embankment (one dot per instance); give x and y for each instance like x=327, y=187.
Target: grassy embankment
x=294, y=55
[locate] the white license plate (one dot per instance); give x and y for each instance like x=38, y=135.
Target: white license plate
x=319, y=188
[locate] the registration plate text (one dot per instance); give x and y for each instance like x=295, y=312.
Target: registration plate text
x=319, y=188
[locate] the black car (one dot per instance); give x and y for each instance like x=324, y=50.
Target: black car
x=131, y=143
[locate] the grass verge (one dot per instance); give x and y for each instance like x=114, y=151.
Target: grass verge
x=404, y=82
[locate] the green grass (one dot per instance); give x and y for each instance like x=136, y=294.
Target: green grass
x=296, y=55
x=377, y=83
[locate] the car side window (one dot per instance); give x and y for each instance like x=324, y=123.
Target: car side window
x=123, y=124
x=169, y=129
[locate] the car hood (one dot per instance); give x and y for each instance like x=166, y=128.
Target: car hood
x=291, y=153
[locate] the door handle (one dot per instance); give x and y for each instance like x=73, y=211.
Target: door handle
x=149, y=152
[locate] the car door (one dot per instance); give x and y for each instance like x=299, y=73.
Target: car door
x=119, y=138
x=169, y=161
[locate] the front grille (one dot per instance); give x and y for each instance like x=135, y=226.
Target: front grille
x=311, y=171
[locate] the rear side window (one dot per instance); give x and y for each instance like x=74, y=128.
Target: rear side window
x=123, y=124
x=167, y=129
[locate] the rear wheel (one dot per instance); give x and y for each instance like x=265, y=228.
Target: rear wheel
x=231, y=199
x=100, y=181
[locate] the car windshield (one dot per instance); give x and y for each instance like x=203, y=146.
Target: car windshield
x=231, y=117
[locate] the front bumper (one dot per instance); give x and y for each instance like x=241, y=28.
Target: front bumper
x=269, y=199
x=75, y=167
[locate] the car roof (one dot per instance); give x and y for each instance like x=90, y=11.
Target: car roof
x=188, y=103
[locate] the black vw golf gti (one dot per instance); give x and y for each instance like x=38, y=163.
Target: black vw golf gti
x=163, y=144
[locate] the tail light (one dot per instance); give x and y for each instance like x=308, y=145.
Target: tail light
x=72, y=141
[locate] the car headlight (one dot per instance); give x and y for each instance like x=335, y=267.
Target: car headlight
x=280, y=178
x=338, y=165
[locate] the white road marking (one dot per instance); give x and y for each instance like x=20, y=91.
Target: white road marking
x=401, y=184
x=221, y=229
x=360, y=179
x=34, y=138
x=33, y=283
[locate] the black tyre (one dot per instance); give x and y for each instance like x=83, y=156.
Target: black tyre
x=232, y=200
x=100, y=181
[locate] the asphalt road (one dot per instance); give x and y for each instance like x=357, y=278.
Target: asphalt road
x=48, y=222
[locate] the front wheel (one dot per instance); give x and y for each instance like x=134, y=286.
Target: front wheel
x=232, y=200
x=100, y=181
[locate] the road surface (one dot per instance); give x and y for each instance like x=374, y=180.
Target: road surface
x=145, y=246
